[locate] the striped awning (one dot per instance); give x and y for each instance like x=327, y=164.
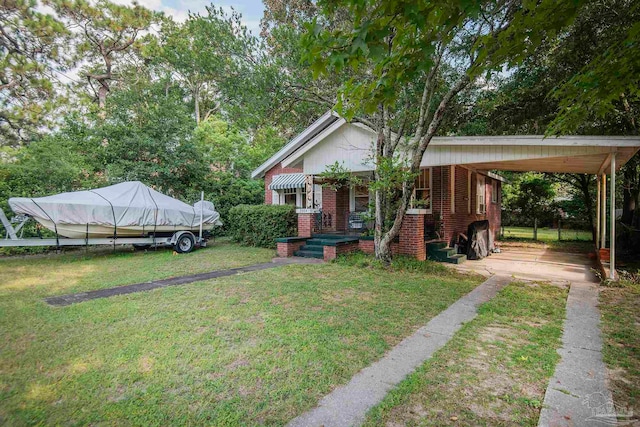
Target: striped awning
x=287, y=181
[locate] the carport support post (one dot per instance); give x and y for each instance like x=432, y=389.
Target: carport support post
x=603, y=216
x=598, y=212
x=612, y=213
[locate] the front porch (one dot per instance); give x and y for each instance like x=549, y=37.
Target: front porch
x=413, y=240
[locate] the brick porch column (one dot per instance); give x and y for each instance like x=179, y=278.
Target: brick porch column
x=412, y=236
x=306, y=221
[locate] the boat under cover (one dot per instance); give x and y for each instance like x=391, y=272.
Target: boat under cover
x=125, y=209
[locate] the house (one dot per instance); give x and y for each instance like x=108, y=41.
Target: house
x=456, y=185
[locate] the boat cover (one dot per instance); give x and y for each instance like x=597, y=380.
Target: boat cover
x=480, y=240
x=121, y=205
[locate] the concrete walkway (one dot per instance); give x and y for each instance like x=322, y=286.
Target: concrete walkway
x=347, y=405
x=63, y=300
x=577, y=394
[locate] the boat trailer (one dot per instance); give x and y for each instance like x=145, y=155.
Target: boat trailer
x=183, y=241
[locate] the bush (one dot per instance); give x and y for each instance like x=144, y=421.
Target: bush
x=260, y=225
x=398, y=263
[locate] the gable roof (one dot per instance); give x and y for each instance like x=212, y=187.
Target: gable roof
x=568, y=154
x=302, y=138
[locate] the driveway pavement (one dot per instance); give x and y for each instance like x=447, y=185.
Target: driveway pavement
x=534, y=263
x=577, y=394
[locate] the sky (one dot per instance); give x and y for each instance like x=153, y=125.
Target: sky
x=251, y=10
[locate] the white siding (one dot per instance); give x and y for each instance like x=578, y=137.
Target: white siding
x=350, y=146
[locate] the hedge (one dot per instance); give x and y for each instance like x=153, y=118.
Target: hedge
x=260, y=225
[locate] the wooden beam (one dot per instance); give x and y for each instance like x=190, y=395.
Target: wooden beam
x=605, y=163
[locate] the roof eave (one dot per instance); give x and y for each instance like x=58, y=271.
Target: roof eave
x=300, y=139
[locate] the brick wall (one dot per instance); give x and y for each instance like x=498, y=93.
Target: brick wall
x=331, y=252
x=286, y=250
x=412, y=237
x=455, y=223
x=367, y=246
x=336, y=203
x=268, y=177
x=306, y=224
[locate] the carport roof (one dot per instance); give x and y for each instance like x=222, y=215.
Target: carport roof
x=332, y=139
x=564, y=154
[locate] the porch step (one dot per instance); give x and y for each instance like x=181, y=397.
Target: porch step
x=312, y=248
x=309, y=254
x=440, y=251
x=456, y=259
x=437, y=245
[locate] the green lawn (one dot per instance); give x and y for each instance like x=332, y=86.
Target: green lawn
x=257, y=348
x=77, y=271
x=494, y=371
x=545, y=234
x=620, y=308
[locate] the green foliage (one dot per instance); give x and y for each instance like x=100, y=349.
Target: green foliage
x=31, y=45
x=226, y=148
x=610, y=81
x=260, y=225
x=106, y=35
x=226, y=190
x=528, y=196
x=51, y=165
x=399, y=264
x=209, y=55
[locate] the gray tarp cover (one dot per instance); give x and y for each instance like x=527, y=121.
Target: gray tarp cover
x=480, y=240
x=126, y=204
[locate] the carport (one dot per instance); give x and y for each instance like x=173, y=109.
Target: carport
x=598, y=155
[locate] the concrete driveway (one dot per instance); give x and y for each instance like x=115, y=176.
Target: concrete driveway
x=534, y=262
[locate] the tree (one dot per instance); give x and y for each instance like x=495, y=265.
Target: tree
x=107, y=32
x=31, y=56
x=608, y=87
x=208, y=54
x=418, y=56
x=535, y=198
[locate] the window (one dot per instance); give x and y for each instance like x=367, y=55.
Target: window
x=494, y=191
x=361, y=198
x=289, y=196
x=422, y=193
x=481, y=206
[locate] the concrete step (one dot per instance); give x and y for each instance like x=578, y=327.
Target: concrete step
x=309, y=254
x=456, y=259
x=441, y=254
x=312, y=248
x=434, y=246
x=314, y=242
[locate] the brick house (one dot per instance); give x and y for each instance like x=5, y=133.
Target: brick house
x=456, y=185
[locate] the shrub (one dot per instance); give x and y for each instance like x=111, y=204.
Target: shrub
x=260, y=225
x=399, y=263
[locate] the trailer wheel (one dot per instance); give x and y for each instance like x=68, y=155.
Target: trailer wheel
x=185, y=243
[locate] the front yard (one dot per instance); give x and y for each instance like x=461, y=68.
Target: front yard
x=258, y=348
x=620, y=308
x=494, y=371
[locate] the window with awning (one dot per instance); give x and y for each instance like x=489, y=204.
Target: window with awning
x=287, y=181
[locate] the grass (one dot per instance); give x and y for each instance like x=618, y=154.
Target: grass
x=77, y=271
x=545, y=234
x=568, y=246
x=493, y=372
x=257, y=348
x=620, y=308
